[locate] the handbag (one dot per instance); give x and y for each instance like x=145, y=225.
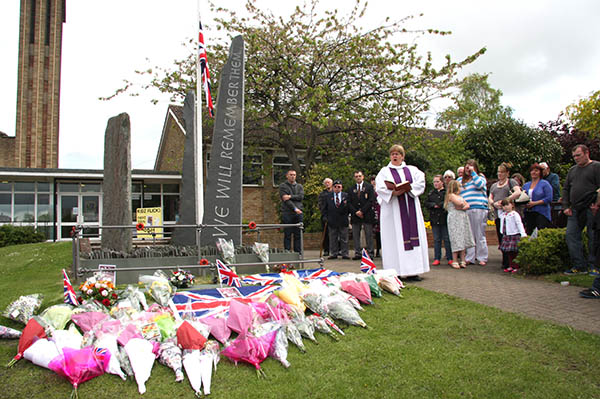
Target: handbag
x=523, y=198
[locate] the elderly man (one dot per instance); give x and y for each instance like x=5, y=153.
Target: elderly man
x=291, y=195
x=553, y=179
x=459, y=172
x=328, y=184
x=581, y=203
x=336, y=212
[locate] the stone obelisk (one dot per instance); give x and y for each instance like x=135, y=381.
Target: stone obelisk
x=223, y=194
x=116, y=198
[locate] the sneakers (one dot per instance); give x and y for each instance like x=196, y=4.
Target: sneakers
x=594, y=272
x=436, y=263
x=450, y=262
x=590, y=293
x=508, y=270
x=573, y=271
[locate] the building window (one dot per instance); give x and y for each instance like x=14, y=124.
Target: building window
x=281, y=165
x=252, y=170
x=24, y=208
x=5, y=207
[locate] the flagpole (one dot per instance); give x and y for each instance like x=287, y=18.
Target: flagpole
x=198, y=159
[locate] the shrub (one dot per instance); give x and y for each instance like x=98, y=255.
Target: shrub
x=15, y=235
x=546, y=254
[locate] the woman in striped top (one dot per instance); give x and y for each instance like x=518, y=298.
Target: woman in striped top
x=474, y=192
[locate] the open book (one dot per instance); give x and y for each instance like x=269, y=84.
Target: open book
x=397, y=187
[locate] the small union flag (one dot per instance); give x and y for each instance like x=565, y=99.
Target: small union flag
x=366, y=264
x=69, y=294
x=227, y=276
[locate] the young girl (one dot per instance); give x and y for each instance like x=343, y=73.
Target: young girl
x=512, y=230
x=459, y=228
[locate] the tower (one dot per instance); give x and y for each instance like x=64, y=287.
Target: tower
x=38, y=87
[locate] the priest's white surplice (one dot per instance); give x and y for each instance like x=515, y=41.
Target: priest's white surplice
x=405, y=262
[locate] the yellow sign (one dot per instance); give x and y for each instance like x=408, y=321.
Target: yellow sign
x=149, y=217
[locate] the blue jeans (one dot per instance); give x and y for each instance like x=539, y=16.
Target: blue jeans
x=575, y=242
x=288, y=232
x=441, y=233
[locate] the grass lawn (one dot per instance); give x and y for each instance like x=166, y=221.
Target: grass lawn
x=425, y=345
x=580, y=280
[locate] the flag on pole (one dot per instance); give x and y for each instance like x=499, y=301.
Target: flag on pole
x=227, y=276
x=70, y=296
x=366, y=264
x=204, y=72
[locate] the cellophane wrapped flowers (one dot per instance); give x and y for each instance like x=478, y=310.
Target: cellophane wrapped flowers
x=261, y=250
x=182, y=279
x=102, y=291
x=23, y=308
x=227, y=250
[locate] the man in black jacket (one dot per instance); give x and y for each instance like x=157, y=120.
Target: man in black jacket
x=360, y=204
x=328, y=183
x=336, y=213
x=291, y=194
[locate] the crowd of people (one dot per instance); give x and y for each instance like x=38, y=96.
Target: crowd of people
x=386, y=213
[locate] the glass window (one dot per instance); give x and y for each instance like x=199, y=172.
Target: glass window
x=171, y=188
x=69, y=210
x=170, y=208
x=47, y=230
x=5, y=205
x=136, y=187
x=152, y=188
x=65, y=231
x=90, y=205
x=43, y=187
x=252, y=172
x=24, y=208
x=151, y=200
x=91, y=232
x=5, y=186
x=91, y=187
x=25, y=186
x=136, y=202
x=43, y=208
x=69, y=187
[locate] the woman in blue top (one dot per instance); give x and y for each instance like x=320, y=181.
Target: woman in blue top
x=474, y=192
x=537, y=212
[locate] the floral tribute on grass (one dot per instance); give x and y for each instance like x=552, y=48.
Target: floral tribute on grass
x=189, y=331
x=182, y=279
x=99, y=290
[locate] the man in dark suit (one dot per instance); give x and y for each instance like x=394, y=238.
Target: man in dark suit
x=326, y=193
x=336, y=213
x=360, y=204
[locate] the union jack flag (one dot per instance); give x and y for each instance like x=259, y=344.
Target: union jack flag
x=277, y=278
x=366, y=264
x=101, y=353
x=205, y=73
x=227, y=276
x=211, y=302
x=70, y=296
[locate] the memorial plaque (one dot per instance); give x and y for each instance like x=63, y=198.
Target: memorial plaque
x=223, y=194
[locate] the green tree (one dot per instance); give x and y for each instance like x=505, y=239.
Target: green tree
x=510, y=140
x=585, y=114
x=318, y=83
x=475, y=104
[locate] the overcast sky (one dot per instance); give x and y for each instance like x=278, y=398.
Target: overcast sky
x=543, y=55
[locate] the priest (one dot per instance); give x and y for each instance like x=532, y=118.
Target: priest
x=403, y=235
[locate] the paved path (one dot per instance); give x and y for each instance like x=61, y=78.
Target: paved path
x=490, y=286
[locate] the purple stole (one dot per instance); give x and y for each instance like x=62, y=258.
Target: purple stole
x=408, y=212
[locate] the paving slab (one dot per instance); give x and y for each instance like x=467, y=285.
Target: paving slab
x=490, y=286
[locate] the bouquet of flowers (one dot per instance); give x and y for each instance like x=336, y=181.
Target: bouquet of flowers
x=102, y=291
x=262, y=251
x=23, y=308
x=227, y=249
x=182, y=279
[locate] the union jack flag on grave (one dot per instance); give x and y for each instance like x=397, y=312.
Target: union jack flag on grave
x=366, y=264
x=277, y=278
x=205, y=73
x=211, y=302
x=70, y=296
x=227, y=276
